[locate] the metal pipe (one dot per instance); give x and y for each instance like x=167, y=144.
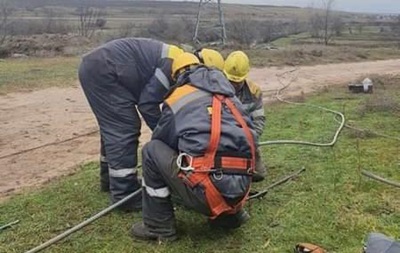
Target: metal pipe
x=84, y=223
x=9, y=225
x=283, y=180
x=380, y=179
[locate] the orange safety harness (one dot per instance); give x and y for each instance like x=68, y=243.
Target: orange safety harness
x=203, y=166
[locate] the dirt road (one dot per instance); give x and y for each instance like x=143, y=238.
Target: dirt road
x=29, y=120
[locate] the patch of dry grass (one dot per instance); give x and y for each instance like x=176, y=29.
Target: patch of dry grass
x=35, y=73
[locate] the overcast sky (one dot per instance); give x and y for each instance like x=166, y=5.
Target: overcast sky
x=381, y=6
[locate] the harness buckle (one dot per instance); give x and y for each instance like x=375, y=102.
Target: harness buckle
x=180, y=160
x=218, y=174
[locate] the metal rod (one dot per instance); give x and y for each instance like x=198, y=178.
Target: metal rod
x=282, y=181
x=380, y=179
x=221, y=22
x=196, y=31
x=84, y=223
x=9, y=225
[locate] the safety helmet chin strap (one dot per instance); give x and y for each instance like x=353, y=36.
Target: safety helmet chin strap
x=198, y=54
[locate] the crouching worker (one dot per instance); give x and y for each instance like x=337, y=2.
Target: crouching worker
x=236, y=69
x=202, y=152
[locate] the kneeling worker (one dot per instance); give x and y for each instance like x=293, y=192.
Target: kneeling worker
x=236, y=69
x=202, y=152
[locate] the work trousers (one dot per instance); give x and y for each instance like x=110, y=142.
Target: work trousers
x=114, y=107
x=160, y=181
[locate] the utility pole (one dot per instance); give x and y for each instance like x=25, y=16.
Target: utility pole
x=207, y=23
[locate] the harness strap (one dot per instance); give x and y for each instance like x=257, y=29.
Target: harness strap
x=204, y=164
x=215, y=133
x=250, y=140
x=224, y=162
x=246, y=129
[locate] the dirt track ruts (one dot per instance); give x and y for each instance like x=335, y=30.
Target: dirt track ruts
x=28, y=120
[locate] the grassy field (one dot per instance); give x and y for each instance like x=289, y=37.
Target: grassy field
x=35, y=73
x=330, y=204
x=375, y=41
x=21, y=75
x=316, y=54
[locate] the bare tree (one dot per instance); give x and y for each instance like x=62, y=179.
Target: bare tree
x=324, y=25
x=337, y=26
x=89, y=19
x=242, y=30
x=171, y=30
x=5, y=12
x=316, y=26
x=328, y=4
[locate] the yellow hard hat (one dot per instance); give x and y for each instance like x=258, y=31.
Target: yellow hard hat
x=211, y=58
x=174, y=52
x=182, y=61
x=237, y=66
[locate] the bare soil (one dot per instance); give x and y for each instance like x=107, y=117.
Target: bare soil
x=30, y=120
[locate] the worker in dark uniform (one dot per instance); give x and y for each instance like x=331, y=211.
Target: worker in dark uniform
x=121, y=79
x=236, y=69
x=202, y=152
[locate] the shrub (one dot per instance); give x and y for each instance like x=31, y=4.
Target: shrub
x=175, y=31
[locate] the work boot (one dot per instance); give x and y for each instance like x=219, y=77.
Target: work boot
x=143, y=232
x=260, y=170
x=230, y=221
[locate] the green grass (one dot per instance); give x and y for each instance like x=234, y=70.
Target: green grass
x=313, y=54
x=35, y=73
x=330, y=204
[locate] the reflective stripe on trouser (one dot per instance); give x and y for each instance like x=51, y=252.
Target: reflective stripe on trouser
x=160, y=171
x=114, y=108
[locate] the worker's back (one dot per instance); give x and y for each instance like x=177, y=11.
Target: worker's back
x=132, y=60
x=186, y=125
x=190, y=105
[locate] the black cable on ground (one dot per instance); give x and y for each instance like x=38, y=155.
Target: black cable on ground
x=277, y=183
x=48, y=144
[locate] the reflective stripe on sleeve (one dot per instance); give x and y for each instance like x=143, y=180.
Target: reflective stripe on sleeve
x=121, y=172
x=160, y=192
x=162, y=78
x=188, y=99
x=258, y=113
x=164, y=51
